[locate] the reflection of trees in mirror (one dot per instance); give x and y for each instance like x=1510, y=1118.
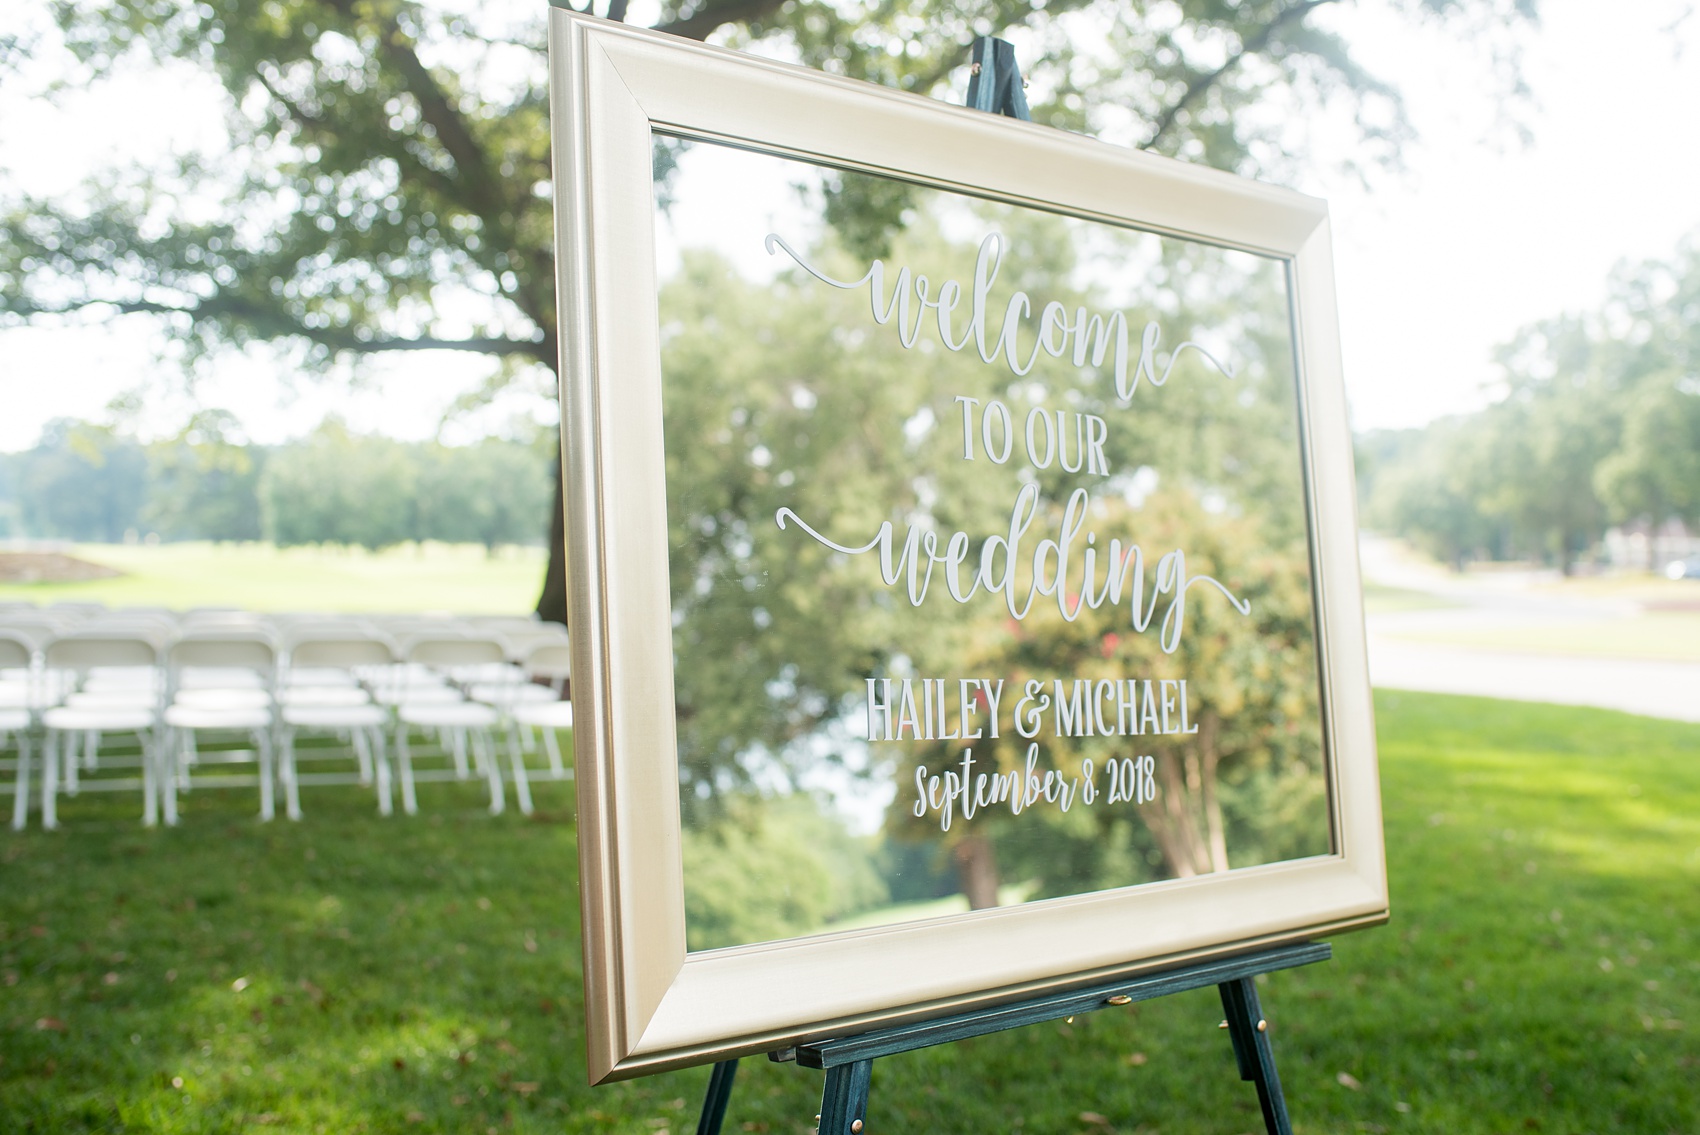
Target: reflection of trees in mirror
x=1246, y=788
x=789, y=395
x=775, y=867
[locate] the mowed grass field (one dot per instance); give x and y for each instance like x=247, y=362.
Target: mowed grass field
x=462, y=578
x=1666, y=636
x=350, y=974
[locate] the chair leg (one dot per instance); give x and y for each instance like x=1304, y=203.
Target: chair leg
x=382, y=762
x=268, y=779
x=69, y=771
x=409, y=802
x=482, y=744
x=458, y=747
x=21, y=800
x=286, y=773
x=522, y=786
x=362, y=756
x=552, y=746
x=164, y=761
x=187, y=755
x=50, y=782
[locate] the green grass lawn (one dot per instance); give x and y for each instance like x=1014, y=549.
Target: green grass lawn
x=349, y=974
x=261, y=577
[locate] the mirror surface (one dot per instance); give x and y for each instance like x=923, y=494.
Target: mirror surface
x=987, y=535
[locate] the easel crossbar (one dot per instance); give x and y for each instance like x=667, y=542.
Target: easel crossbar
x=1068, y=1003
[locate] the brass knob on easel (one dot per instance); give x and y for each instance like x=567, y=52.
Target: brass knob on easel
x=856, y=1125
x=1119, y=999
x=1223, y=1025
x=1262, y=1026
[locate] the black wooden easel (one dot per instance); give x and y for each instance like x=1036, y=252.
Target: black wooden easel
x=848, y=1061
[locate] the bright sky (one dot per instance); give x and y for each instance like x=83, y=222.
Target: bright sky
x=1435, y=267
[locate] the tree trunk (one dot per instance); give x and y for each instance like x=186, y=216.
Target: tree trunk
x=1172, y=822
x=977, y=871
x=1209, y=757
x=552, y=604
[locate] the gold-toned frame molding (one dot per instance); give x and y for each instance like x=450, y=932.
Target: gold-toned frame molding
x=650, y=1004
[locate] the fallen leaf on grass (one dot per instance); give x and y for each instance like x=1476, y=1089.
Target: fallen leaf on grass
x=526, y=1087
x=1137, y=1059
x=1347, y=1080
x=416, y=1117
x=239, y=984
x=1094, y=1118
x=50, y=1024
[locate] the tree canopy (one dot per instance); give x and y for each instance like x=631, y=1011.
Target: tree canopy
x=1599, y=425
x=387, y=185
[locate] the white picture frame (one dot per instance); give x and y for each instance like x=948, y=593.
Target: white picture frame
x=650, y=1004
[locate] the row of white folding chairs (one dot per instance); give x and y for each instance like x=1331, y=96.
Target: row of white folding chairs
x=409, y=691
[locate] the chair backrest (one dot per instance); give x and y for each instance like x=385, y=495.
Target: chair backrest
x=233, y=651
x=16, y=652
x=341, y=653
x=455, y=651
x=552, y=660
x=84, y=651
x=522, y=642
x=74, y=607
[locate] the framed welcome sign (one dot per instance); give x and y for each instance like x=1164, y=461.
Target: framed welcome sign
x=963, y=566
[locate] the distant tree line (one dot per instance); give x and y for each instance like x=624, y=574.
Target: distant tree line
x=93, y=483
x=1599, y=426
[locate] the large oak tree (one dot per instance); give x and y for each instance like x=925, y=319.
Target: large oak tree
x=388, y=189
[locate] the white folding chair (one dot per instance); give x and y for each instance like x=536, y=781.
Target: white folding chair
x=335, y=704
x=80, y=653
x=466, y=724
x=18, y=707
x=243, y=704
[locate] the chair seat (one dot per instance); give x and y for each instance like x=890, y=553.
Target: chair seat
x=14, y=720
x=17, y=695
x=459, y=715
x=196, y=717
x=219, y=678
x=323, y=696
x=223, y=699
x=506, y=694
x=99, y=719
x=318, y=676
x=123, y=677
x=416, y=695
x=335, y=716
x=546, y=715
x=112, y=699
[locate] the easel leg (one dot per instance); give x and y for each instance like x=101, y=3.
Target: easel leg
x=719, y=1094
x=844, y=1099
x=1249, y=1032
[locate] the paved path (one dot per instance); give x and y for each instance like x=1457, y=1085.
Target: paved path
x=1653, y=688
